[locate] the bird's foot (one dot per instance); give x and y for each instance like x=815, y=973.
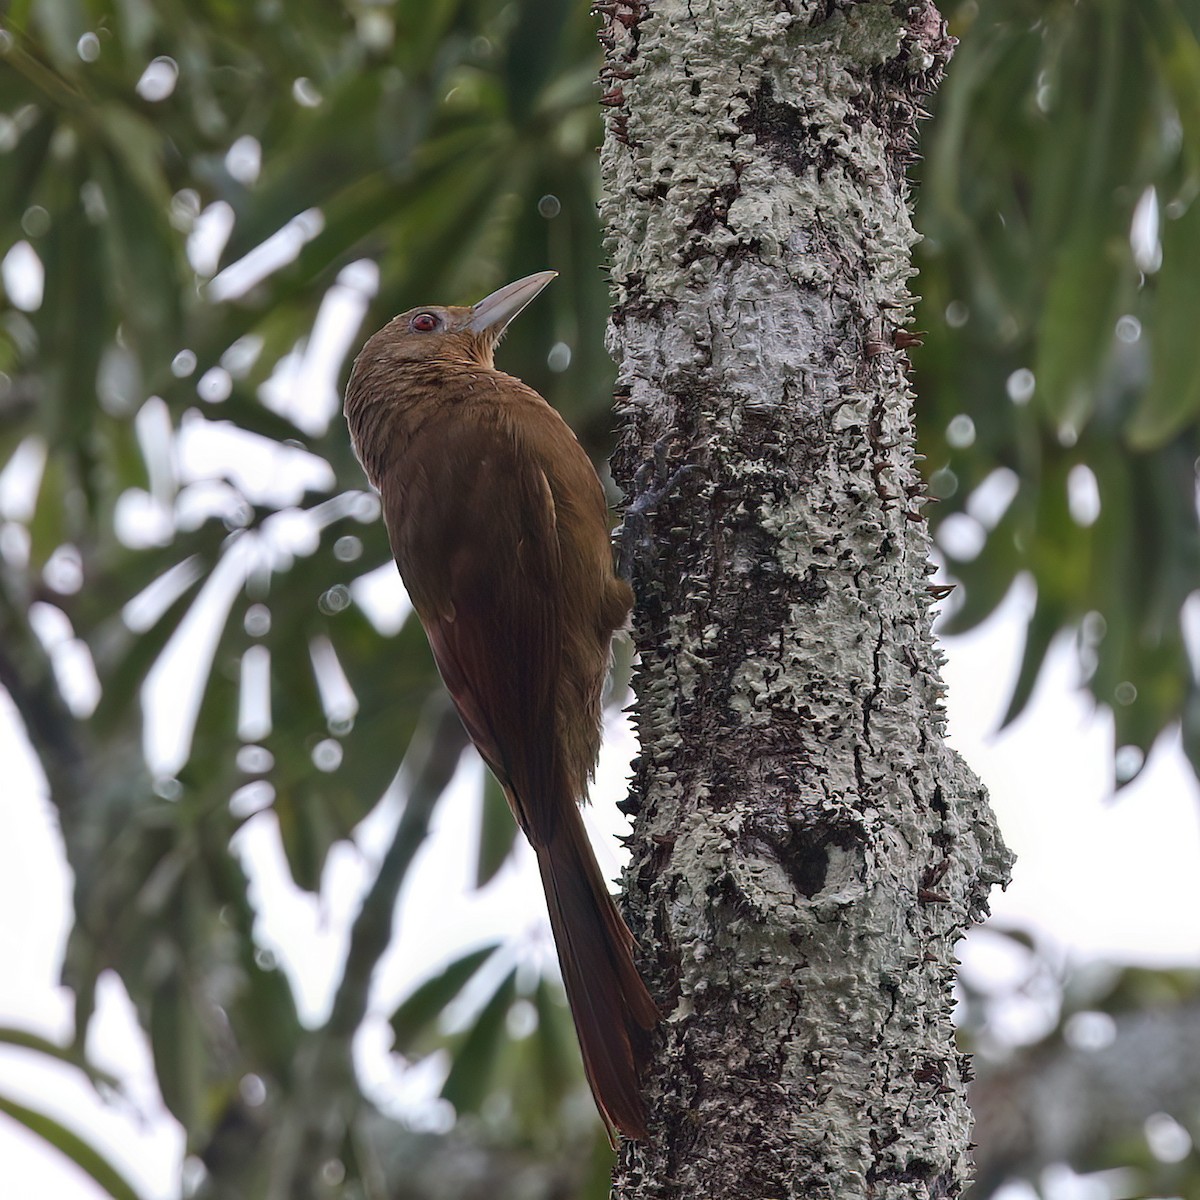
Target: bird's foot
x=654, y=480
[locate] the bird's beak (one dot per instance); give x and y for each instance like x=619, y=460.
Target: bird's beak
x=493, y=313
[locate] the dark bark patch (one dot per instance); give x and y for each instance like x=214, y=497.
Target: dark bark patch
x=714, y=211
x=715, y=208
x=937, y=1183
x=812, y=589
x=730, y=901
x=938, y=801
x=807, y=861
x=807, y=867
x=782, y=131
x=802, y=845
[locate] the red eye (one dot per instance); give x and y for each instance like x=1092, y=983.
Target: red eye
x=423, y=323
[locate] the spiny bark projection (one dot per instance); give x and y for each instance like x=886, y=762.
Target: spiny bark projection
x=808, y=849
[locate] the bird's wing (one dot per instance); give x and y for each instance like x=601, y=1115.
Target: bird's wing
x=475, y=536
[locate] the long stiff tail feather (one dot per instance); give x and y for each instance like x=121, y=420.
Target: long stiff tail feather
x=612, y=1009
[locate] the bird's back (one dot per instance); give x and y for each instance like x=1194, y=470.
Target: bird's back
x=499, y=526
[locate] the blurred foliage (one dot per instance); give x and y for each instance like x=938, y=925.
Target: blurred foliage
x=147, y=148
x=1059, y=383
x=1083, y=1070
x=154, y=155
x=87, y=1157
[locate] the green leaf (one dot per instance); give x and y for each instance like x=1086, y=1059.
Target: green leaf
x=50, y=525
x=137, y=145
x=19, y=169
x=123, y=672
x=247, y=412
x=322, y=155
x=1077, y=324
x=265, y=1008
x=1178, y=59
x=1173, y=398
x=599, y=1181
x=497, y=830
x=308, y=834
x=75, y=325
x=1118, y=585
x=1052, y=123
x=419, y=1014
x=315, y=808
x=61, y=23
x=467, y=202
x=82, y=1153
x=425, y=33
x=533, y=51
x=27, y=1040
x=985, y=585
x=470, y=1077
x=141, y=257
x=179, y=1051
x=555, y=1044
x=1043, y=625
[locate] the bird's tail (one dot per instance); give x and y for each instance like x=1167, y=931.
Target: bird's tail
x=613, y=1010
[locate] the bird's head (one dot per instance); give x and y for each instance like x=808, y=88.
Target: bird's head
x=454, y=334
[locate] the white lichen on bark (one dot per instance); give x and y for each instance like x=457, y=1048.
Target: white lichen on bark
x=808, y=848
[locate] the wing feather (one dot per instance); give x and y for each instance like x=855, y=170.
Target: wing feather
x=476, y=540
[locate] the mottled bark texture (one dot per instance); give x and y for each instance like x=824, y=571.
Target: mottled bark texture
x=807, y=849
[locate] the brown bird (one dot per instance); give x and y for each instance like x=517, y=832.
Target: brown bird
x=499, y=526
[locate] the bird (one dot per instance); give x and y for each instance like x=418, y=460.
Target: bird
x=499, y=525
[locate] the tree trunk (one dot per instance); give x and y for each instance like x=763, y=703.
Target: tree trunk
x=808, y=849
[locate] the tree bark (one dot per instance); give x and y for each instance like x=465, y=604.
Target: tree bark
x=808, y=849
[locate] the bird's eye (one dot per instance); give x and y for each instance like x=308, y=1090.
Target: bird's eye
x=423, y=323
